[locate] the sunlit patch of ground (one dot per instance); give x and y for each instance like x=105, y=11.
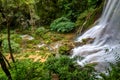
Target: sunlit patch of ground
x=31, y=51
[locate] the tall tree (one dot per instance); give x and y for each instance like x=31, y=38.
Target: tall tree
x=3, y=64
x=9, y=44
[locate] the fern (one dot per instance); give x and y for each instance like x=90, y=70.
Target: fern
x=62, y=25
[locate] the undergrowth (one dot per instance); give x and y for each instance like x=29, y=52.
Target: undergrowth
x=59, y=68
x=15, y=46
x=62, y=25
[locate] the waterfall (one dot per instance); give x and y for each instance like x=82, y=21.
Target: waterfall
x=105, y=49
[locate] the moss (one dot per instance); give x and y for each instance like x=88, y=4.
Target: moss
x=64, y=50
x=87, y=18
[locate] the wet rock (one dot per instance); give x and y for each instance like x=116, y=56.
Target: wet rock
x=41, y=45
x=27, y=37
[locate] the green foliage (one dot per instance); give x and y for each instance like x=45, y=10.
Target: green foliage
x=57, y=21
x=48, y=10
x=2, y=75
x=64, y=50
x=40, y=31
x=27, y=70
x=15, y=46
x=66, y=69
x=88, y=17
x=63, y=67
x=26, y=13
x=62, y=25
x=65, y=27
x=114, y=74
x=16, y=38
x=19, y=12
x=84, y=17
x=92, y=3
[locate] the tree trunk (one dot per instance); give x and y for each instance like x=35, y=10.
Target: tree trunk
x=9, y=44
x=3, y=64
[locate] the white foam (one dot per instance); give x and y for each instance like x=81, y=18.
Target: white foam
x=106, y=47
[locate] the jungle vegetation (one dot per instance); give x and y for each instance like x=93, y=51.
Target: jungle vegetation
x=49, y=22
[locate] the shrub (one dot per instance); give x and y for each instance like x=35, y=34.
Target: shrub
x=66, y=69
x=40, y=31
x=57, y=8
x=15, y=46
x=2, y=75
x=62, y=25
x=16, y=38
x=27, y=70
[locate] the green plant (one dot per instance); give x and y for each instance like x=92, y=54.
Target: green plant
x=27, y=70
x=66, y=69
x=114, y=74
x=21, y=13
x=62, y=25
x=16, y=38
x=64, y=49
x=89, y=16
x=2, y=75
x=40, y=31
x=24, y=70
x=15, y=46
x=57, y=8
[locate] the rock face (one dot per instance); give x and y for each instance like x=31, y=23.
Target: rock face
x=105, y=48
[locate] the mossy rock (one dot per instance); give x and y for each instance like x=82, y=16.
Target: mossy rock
x=66, y=47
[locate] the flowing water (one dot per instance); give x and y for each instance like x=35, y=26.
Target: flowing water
x=105, y=48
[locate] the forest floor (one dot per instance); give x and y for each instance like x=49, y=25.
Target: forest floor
x=41, y=47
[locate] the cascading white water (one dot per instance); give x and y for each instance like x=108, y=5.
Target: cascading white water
x=106, y=47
